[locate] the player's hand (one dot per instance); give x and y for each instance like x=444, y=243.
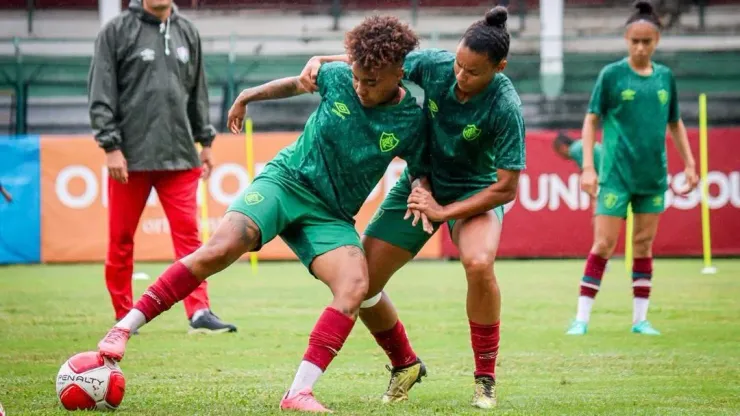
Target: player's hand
x=422, y=200
x=309, y=74
x=237, y=113
x=426, y=225
x=206, y=160
x=117, y=166
x=589, y=182
x=692, y=179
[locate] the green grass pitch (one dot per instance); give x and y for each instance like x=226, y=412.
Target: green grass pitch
x=48, y=313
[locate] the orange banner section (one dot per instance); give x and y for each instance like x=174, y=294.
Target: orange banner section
x=74, y=199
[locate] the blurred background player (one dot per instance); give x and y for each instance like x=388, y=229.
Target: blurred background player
x=636, y=99
x=310, y=192
x=148, y=104
x=572, y=149
x=6, y=195
x=477, y=152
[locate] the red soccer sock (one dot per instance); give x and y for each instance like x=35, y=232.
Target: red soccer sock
x=592, y=274
x=642, y=275
x=396, y=345
x=173, y=285
x=327, y=337
x=485, y=339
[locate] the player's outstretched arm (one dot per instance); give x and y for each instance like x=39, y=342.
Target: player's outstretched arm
x=310, y=72
x=273, y=90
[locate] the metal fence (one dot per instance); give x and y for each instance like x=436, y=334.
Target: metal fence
x=44, y=73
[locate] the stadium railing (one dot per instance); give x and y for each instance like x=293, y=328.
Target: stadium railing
x=30, y=74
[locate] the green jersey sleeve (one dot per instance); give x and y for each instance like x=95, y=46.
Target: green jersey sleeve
x=576, y=154
x=674, y=114
x=598, y=104
x=332, y=73
x=509, y=149
x=418, y=65
x=417, y=155
x=575, y=151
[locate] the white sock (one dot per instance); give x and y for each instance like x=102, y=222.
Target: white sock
x=132, y=321
x=585, y=304
x=307, y=375
x=198, y=314
x=639, y=309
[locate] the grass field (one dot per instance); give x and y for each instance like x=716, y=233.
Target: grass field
x=48, y=313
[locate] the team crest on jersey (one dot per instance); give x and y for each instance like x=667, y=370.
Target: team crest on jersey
x=663, y=97
x=471, y=132
x=388, y=142
x=610, y=200
x=628, y=95
x=253, y=198
x=433, y=109
x=340, y=109
x=183, y=54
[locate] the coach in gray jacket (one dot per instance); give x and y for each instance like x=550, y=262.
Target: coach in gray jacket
x=148, y=102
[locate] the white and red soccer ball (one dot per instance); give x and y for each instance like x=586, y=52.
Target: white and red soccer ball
x=89, y=381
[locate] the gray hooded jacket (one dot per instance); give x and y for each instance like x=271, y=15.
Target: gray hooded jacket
x=147, y=91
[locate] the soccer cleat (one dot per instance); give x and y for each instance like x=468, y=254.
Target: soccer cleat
x=402, y=379
x=485, y=392
x=577, y=328
x=113, y=345
x=209, y=323
x=303, y=401
x=644, y=328
x=134, y=332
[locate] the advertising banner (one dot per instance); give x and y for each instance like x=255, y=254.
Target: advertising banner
x=74, y=198
x=551, y=217
x=19, y=219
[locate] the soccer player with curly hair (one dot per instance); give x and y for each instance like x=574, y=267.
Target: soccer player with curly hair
x=310, y=192
x=476, y=134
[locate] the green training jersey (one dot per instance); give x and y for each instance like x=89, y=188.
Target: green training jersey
x=468, y=141
x=635, y=111
x=346, y=148
x=575, y=150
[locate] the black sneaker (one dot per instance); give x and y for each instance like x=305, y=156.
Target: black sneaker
x=209, y=323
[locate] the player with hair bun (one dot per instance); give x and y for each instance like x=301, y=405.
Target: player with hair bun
x=310, y=192
x=635, y=99
x=476, y=135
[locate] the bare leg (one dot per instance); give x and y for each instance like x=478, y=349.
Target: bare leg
x=235, y=235
x=383, y=260
x=344, y=271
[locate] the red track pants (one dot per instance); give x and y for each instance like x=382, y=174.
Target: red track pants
x=177, y=194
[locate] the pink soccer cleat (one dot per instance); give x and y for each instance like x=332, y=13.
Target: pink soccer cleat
x=304, y=401
x=113, y=345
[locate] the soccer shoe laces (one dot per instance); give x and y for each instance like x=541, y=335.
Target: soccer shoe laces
x=394, y=375
x=117, y=334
